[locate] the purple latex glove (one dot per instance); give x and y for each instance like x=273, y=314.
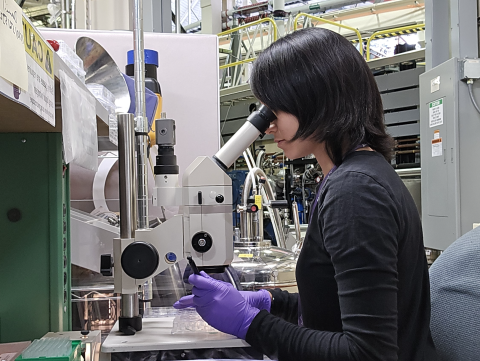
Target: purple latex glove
x=221, y=305
x=260, y=299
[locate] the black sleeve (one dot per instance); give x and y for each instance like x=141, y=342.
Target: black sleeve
x=360, y=231
x=285, y=305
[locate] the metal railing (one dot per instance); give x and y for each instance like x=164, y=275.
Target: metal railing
x=234, y=67
x=311, y=17
x=251, y=38
x=395, y=31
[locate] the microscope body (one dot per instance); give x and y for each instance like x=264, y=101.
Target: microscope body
x=202, y=230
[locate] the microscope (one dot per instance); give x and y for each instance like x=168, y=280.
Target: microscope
x=203, y=230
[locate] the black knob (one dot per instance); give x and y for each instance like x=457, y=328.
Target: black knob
x=202, y=242
x=14, y=215
x=106, y=264
x=84, y=332
x=219, y=198
x=140, y=260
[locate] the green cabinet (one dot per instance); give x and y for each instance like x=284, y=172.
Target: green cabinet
x=34, y=236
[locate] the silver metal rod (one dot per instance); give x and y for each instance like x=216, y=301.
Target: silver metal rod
x=74, y=14
x=63, y=15
x=140, y=115
x=127, y=175
x=130, y=305
x=68, y=14
x=296, y=220
x=178, y=20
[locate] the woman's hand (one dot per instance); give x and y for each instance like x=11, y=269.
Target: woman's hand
x=220, y=305
x=261, y=299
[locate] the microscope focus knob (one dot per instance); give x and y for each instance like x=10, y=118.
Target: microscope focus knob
x=140, y=260
x=202, y=242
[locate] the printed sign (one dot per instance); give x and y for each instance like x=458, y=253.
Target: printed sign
x=258, y=201
x=13, y=63
x=435, y=112
x=41, y=84
x=437, y=147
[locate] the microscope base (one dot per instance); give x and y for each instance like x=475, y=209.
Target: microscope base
x=130, y=325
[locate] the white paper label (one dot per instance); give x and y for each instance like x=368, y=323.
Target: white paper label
x=41, y=90
x=435, y=85
x=13, y=66
x=435, y=112
x=40, y=97
x=437, y=147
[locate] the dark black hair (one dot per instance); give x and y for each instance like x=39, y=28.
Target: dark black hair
x=318, y=76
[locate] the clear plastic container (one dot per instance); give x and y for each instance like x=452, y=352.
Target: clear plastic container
x=159, y=312
x=189, y=321
x=265, y=267
x=103, y=95
x=107, y=99
x=72, y=60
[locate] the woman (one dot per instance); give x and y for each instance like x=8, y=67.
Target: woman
x=362, y=273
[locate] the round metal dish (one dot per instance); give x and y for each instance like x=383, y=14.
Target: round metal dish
x=101, y=69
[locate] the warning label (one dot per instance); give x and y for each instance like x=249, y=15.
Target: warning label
x=435, y=112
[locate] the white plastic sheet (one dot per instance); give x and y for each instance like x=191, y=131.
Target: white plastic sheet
x=79, y=122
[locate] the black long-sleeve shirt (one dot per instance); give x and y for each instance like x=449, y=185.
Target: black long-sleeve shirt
x=362, y=275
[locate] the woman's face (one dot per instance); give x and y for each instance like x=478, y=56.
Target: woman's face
x=283, y=130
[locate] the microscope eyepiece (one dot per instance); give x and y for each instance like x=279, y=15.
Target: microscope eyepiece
x=262, y=118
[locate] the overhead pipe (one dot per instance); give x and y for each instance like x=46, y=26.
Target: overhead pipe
x=324, y=6
x=192, y=25
x=245, y=10
x=311, y=8
x=140, y=116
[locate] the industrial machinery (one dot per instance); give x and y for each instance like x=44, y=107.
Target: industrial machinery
x=204, y=229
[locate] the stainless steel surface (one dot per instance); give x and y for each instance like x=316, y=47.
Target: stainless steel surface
x=127, y=175
x=129, y=305
x=140, y=115
x=265, y=267
x=101, y=69
x=268, y=194
x=409, y=172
